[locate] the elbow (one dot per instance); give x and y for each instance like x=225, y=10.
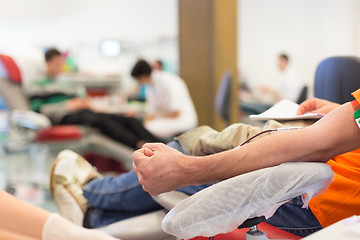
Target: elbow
x=324, y=156
x=323, y=146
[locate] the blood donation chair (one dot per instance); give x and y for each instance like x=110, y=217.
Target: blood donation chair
x=246, y=200
x=242, y=201
x=336, y=78
x=21, y=116
x=223, y=98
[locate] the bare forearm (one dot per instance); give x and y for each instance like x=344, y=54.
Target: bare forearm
x=334, y=134
x=20, y=218
x=268, y=151
x=161, y=168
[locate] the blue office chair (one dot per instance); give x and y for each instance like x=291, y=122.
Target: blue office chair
x=223, y=97
x=303, y=95
x=336, y=78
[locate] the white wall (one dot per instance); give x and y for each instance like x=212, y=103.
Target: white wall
x=146, y=28
x=308, y=30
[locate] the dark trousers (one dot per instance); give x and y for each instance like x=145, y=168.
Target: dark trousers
x=126, y=130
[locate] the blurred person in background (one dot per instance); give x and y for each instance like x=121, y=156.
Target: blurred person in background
x=157, y=65
x=64, y=103
x=139, y=94
x=290, y=84
x=170, y=109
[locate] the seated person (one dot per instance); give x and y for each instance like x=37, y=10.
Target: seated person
x=20, y=220
x=170, y=108
x=160, y=169
x=290, y=84
x=63, y=103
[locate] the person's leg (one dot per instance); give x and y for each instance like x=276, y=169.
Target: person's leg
x=83, y=117
x=113, y=199
x=110, y=127
x=293, y=218
x=176, y=145
x=121, y=193
x=117, y=130
x=138, y=128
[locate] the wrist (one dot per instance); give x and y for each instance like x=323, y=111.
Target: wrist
x=201, y=170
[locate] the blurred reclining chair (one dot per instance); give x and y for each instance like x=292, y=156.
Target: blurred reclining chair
x=303, y=95
x=223, y=98
x=246, y=200
x=336, y=78
x=21, y=115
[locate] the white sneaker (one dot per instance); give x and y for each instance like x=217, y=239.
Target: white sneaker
x=69, y=174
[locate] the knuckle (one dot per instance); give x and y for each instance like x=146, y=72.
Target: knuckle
x=144, y=172
x=141, y=180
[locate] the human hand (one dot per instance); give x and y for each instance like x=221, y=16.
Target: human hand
x=160, y=168
x=132, y=113
x=77, y=104
x=149, y=118
x=316, y=105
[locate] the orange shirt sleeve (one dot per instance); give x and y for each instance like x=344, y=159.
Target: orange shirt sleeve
x=356, y=95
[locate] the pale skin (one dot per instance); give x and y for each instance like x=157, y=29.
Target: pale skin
x=162, y=169
x=20, y=220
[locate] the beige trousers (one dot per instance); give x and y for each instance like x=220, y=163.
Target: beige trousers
x=204, y=140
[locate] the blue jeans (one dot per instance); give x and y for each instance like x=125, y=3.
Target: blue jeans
x=116, y=198
x=292, y=218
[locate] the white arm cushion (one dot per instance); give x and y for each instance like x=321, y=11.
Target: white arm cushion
x=146, y=226
x=226, y=205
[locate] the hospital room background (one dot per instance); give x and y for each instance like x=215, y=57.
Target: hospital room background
x=103, y=40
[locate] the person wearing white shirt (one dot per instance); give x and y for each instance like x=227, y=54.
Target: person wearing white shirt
x=170, y=109
x=291, y=84
x=288, y=87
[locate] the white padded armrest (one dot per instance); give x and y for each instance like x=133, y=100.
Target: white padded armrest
x=170, y=199
x=147, y=226
x=226, y=205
